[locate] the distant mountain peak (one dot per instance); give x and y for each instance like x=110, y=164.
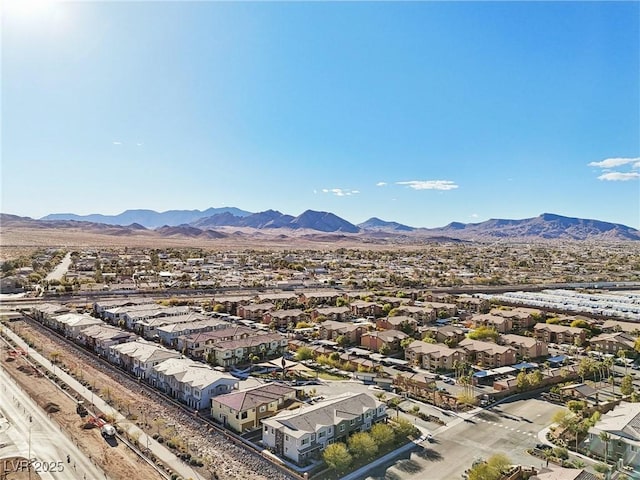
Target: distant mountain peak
x=374, y=223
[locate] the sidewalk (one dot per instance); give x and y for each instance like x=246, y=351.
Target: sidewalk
x=160, y=451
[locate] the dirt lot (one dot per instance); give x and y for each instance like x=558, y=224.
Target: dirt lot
x=9, y=470
x=221, y=458
x=118, y=460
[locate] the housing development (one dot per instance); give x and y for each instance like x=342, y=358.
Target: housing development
x=325, y=364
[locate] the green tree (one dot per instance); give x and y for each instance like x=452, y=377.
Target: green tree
x=404, y=428
x=304, y=353
x=337, y=457
x=362, y=445
x=499, y=462
x=626, y=385
x=394, y=402
x=534, y=378
x=405, y=342
x=522, y=381
x=482, y=471
x=484, y=333
x=384, y=349
x=580, y=323
x=605, y=437
x=383, y=435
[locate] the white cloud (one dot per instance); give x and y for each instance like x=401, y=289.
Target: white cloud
x=619, y=176
x=474, y=215
x=139, y=144
x=616, y=176
x=381, y=184
x=117, y=143
x=430, y=184
x=340, y=192
x=615, y=162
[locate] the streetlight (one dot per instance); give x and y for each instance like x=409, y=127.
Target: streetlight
x=29, y=459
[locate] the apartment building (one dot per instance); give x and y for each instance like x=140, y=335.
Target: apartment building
x=301, y=434
x=550, y=333
x=243, y=410
x=434, y=356
x=488, y=354
x=385, y=339
x=192, y=383
x=526, y=347
x=235, y=352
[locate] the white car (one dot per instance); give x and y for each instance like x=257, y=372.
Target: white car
x=108, y=430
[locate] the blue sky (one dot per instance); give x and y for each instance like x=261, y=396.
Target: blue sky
x=418, y=112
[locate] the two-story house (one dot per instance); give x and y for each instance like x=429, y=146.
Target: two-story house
x=243, y=410
x=301, y=434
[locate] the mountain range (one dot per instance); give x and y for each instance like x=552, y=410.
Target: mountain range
x=215, y=223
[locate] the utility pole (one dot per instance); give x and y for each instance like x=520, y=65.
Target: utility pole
x=29, y=459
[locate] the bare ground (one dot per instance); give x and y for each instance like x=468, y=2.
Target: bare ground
x=228, y=461
x=119, y=460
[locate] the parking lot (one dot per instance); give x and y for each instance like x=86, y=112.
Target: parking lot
x=510, y=428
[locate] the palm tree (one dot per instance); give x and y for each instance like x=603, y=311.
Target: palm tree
x=605, y=437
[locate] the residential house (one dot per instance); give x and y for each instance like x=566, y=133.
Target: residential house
x=195, y=344
x=613, y=342
x=192, y=383
x=139, y=357
x=420, y=314
x=243, y=410
x=235, y=352
x=148, y=327
x=320, y=297
x=230, y=303
x=70, y=324
x=617, y=326
x=100, y=337
x=254, y=311
x=526, y=347
x=169, y=333
x=282, y=298
x=498, y=323
x=137, y=319
x=488, y=354
x=416, y=384
x=472, y=304
x=100, y=307
x=441, y=310
x=331, y=330
x=282, y=318
x=385, y=339
x=300, y=435
x=622, y=424
x=339, y=314
x=434, y=356
x=45, y=312
x=447, y=334
x=361, y=308
x=521, y=318
x=399, y=322
x=551, y=333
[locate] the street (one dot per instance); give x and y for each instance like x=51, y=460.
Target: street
x=26, y=431
x=510, y=428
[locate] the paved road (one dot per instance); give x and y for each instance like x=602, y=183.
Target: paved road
x=509, y=428
x=61, y=269
x=40, y=438
x=160, y=451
